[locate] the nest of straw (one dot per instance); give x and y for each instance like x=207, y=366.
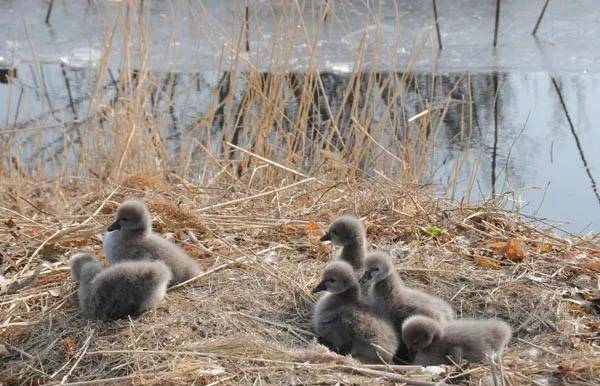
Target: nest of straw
x=246, y=320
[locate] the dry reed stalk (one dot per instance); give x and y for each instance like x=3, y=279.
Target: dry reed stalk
x=539, y=19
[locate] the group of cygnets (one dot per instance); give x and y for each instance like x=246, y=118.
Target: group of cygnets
x=369, y=313
x=141, y=266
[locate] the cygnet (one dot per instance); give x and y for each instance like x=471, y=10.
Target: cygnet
x=468, y=340
x=348, y=232
x=127, y=288
x=345, y=323
x=130, y=237
x=394, y=301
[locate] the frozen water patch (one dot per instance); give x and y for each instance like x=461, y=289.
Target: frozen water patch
x=339, y=67
x=82, y=57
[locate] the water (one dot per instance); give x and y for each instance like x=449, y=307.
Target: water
x=523, y=144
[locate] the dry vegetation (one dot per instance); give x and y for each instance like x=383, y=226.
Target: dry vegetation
x=252, y=218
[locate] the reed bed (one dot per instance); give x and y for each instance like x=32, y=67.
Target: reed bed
x=249, y=201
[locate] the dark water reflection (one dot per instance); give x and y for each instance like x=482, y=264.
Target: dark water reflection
x=522, y=115
x=511, y=127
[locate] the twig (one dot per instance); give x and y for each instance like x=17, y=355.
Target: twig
x=367, y=369
x=83, y=351
x=539, y=20
x=538, y=347
x=222, y=380
x=222, y=266
x=364, y=130
x=393, y=376
x=47, y=20
x=55, y=236
x=285, y=326
x=266, y=160
x=69, y=94
x=493, y=370
x=244, y=199
x=577, y=142
x=419, y=114
x=247, y=26
x=22, y=352
x=497, y=22
x=101, y=205
x=437, y=24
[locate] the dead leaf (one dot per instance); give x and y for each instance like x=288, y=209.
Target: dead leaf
x=544, y=247
x=592, y=265
x=288, y=229
x=313, y=229
x=303, y=199
x=69, y=344
x=486, y=261
x=514, y=250
x=54, y=292
x=576, y=309
x=10, y=223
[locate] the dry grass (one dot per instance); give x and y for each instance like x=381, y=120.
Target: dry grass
x=249, y=322
x=249, y=202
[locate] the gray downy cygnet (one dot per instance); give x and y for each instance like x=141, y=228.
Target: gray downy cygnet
x=394, y=301
x=470, y=340
x=130, y=237
x=345, y=323
x=390, y=296
x=349, y=233
x=125, y=289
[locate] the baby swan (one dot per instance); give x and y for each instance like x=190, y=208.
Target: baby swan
x=130, y=237
x=345, y=323
x=348, y=232
x=467, y=339
x=396, y=301
x=128, y=288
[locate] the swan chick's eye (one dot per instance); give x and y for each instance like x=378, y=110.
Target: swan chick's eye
x=332, y=280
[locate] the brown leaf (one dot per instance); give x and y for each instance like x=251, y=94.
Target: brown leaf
x=544, y=247
x=576, y=309
x=302, y=199
x=69, y=344
x=486, y=261
x=288, y=229
x=313, y=229
x=514, y=250
x=592, y=265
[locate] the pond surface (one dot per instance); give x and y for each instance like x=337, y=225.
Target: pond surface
x=520, y=141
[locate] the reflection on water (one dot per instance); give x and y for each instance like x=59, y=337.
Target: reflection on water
x=522, y=115
x=525, y=132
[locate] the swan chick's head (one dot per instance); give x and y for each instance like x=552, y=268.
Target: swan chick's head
x=84, y=266
x=337, y=277
x=378, y=266
x=418, y=332
x=345, y=230
x=132, y=215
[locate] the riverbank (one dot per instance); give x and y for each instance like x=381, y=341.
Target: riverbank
x=246, y=319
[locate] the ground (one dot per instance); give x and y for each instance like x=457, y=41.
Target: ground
x=246, y=319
